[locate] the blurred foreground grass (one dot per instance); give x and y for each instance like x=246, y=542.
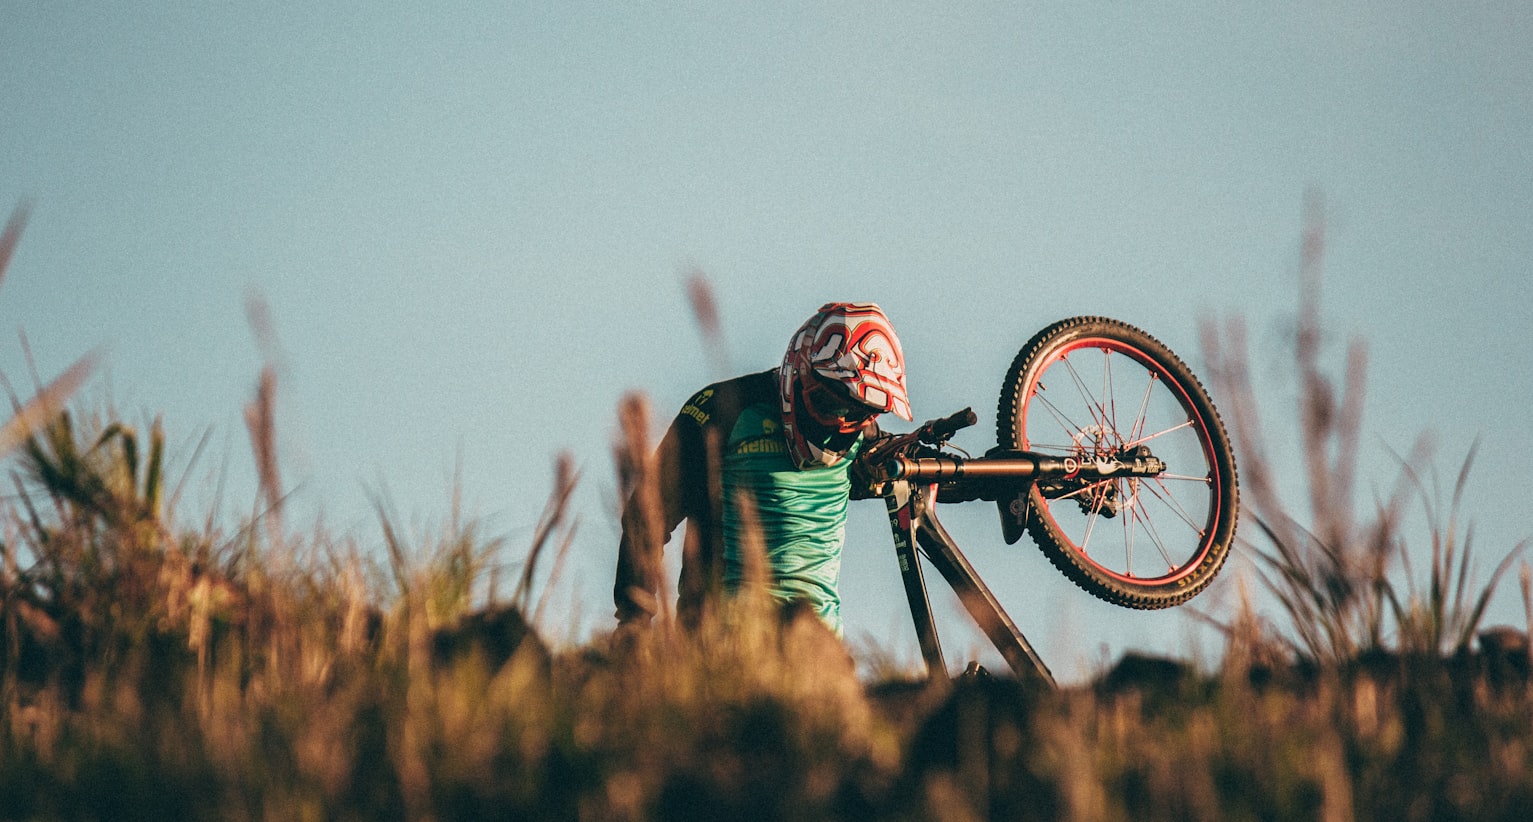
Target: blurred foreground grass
x=150, y=672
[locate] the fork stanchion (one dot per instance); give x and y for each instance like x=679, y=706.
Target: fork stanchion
x=901, y=500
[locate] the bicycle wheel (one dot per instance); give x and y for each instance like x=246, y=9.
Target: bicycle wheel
x=1091, y=387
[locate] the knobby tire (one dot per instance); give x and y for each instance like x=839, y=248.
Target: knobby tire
x=1091, y=386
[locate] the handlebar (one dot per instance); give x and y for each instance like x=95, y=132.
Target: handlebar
x=937, y=432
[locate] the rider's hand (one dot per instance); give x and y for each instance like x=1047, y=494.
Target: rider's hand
x=866, y=476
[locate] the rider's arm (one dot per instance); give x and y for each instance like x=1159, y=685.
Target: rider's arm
x=680, y=491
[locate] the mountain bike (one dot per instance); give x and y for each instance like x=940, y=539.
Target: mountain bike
x=1109, y=453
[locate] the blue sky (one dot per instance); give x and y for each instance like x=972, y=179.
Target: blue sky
x=473, y=230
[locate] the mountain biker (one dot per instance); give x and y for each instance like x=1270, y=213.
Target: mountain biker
x=773, y=451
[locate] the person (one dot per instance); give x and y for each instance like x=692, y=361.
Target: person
x=771, y=452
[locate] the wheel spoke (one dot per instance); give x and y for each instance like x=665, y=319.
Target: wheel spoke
x=1160, y=545
x=1176, y=507
x=1132, y=509
x=1093, y=406
x=1144, y=412
x=1059, y=416
x=1143, y=440
x=1084, y=489
x=1091, y=524
x=1061, y=449
x=1110, y=413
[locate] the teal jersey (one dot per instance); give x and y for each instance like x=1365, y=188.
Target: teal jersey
x=801, y=513
x=727, y=442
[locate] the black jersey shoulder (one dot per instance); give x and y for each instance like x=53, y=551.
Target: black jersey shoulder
x=722, y=402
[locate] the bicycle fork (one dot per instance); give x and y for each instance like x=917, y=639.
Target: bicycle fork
x=914, y=523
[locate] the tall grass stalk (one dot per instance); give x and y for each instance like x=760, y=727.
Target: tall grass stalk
x=1344, y=583
x=48, y=398
x=1445, y=616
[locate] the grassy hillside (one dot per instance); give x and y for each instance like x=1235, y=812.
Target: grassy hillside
x=158, y=671
x=150, y=672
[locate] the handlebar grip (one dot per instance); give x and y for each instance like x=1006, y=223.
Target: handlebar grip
x=938, y=431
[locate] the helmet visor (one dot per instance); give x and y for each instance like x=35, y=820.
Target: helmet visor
x=833, y=406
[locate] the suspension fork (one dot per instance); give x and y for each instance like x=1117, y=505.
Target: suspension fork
x=903, y=501
x=913, y=522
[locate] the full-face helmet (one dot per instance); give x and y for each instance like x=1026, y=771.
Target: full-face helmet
x=844, y=367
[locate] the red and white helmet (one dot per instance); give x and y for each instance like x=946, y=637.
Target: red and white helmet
x=844, y=366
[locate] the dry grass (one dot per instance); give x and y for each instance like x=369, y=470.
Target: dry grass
x=150, y=671
x=1345, y=583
